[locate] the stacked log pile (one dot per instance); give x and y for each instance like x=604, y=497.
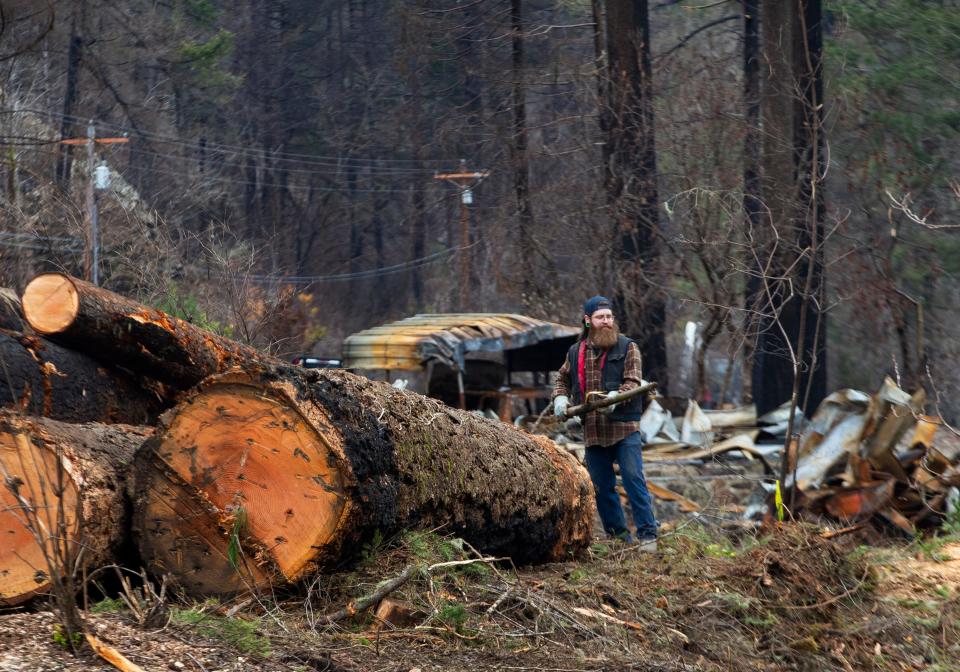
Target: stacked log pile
x=258, y=473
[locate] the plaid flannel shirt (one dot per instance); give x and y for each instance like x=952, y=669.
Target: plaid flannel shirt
x=599, y=429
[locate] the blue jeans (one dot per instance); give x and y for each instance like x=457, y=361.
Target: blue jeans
x=600, y=461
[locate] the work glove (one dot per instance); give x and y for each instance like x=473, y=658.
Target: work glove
x=574, y=424
x=607, y=410
x=560, y=405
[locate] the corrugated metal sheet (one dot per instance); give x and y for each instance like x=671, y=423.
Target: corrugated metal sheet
x=446, y=337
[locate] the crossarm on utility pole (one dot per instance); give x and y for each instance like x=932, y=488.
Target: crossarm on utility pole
x=583, y=409
x=91, y=252
x=463, y=180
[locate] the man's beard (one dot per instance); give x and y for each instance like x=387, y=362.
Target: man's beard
x=604, y=337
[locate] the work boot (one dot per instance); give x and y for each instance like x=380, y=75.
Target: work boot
x=648, y=545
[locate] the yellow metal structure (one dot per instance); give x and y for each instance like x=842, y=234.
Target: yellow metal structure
x=411, y=343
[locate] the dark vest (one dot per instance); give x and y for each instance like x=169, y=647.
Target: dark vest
x=612, y=379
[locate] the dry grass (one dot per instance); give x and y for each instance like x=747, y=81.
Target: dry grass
x=783, y=600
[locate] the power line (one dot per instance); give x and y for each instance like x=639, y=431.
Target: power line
x=238, y=149
x=41, y=248
x=36, y=236
x=331, y=168
x=408, y=265
x=292, y=187
x=344, y=277
x=30, y=241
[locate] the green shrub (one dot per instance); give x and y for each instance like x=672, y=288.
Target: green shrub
x=241, y=634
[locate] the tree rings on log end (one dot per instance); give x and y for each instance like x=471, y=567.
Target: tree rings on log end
x=51, y=303
x=23, y=568
x=240, y=489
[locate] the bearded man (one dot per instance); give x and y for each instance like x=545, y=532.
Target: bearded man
x=606, y=363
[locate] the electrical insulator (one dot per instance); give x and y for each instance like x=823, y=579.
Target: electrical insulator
x=467, y=197
x=101, y=177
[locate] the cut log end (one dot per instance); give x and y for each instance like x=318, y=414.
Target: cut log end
x=24, y=468
x=242, y=473
x=51, y=303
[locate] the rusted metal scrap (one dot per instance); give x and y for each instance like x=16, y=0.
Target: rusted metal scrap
x=859, y=462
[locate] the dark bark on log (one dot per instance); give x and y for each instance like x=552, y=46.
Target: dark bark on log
x=289, y=471
x=40, y=378
x=11, y=315
x=94, y=460
x=145, y=340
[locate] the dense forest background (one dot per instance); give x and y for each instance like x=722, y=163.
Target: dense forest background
x=278, y=181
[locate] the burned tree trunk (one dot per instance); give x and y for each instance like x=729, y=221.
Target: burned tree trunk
x=631, y=183
x=129, y=334
x=67, y=482
x=263, y=478
x=790, y=356
x=753, y=207
x=40, y=378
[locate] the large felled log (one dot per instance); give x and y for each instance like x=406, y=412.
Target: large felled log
x=129, y=334
x=40, y=378
x=37, y=455
x=263, y=478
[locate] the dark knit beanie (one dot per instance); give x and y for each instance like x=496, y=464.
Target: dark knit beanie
x=595, y=303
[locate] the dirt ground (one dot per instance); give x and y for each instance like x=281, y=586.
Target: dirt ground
x=781, y=599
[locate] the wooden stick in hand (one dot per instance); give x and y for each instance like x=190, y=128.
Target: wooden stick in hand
x=583, y=409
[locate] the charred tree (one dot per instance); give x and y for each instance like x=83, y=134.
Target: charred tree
x=521, y=168
x=753, y=208
x=70, y=95
x=790, y=357
x=631, y=181
x=263, y=478
x=41, y=378
x=68, y=482
x=125, y=333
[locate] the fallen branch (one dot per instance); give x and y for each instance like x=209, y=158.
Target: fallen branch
x=632, y=625
x=500, y=600
x=459, y=563
x=385, y=588
x=830, y=534
x=361, y=603
x=593, y=613
x=112, y=656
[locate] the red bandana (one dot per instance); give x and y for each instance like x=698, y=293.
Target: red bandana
x=581, y=368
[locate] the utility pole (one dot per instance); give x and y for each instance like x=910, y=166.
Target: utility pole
x=91, y=251
x=91, y=248
x=464, y=181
